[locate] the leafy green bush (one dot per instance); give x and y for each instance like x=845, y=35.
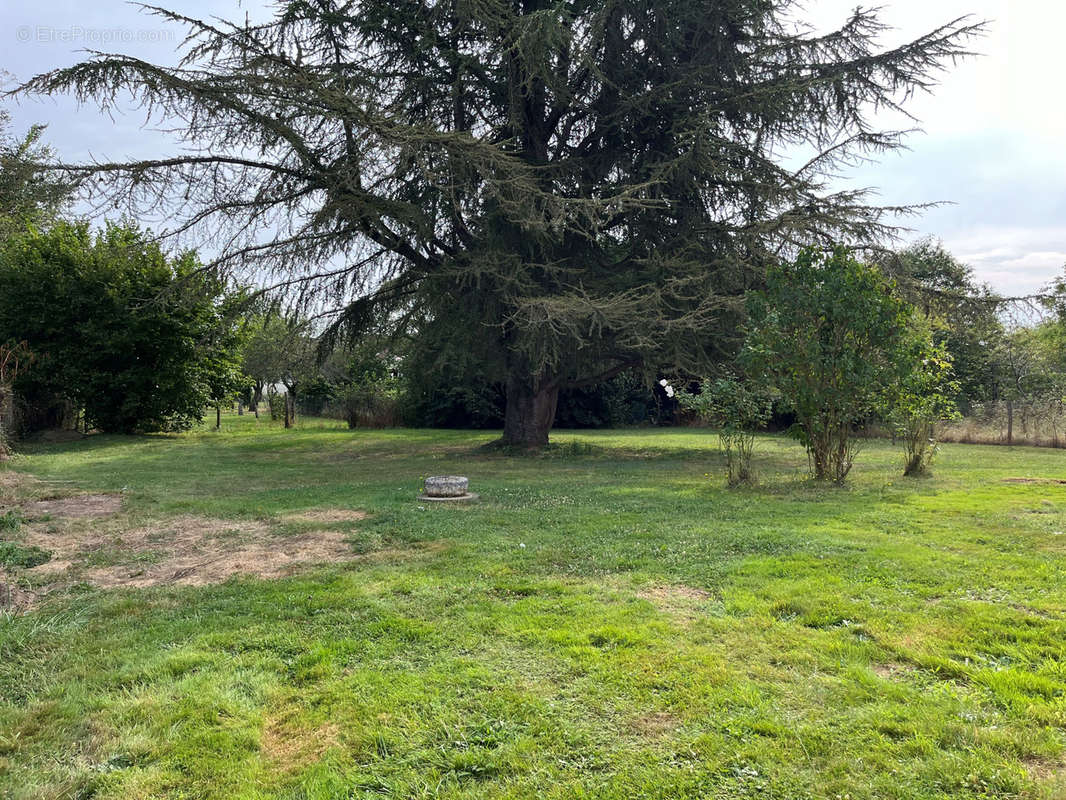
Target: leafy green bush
x=830, y=335
x=119, y=328
x=921, y=399
x=737, y=409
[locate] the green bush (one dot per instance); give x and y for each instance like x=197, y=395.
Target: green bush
x=119, y=328
x=737, y=409
x=921, y=399
x=832, y=336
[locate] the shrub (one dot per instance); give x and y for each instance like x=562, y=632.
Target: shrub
x=371, y=405
x=737, y=409
x=828, y=333
x=117, y=326
x=921, y=400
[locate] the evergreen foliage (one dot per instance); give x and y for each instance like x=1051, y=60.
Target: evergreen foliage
x=569, y=190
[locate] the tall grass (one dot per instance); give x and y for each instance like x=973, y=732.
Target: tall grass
x=1035, y=423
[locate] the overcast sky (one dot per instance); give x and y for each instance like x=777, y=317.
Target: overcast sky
x=991, y=142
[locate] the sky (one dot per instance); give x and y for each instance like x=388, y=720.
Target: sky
x=990, y=144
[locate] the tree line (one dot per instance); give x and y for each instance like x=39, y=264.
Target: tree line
x=540, y=209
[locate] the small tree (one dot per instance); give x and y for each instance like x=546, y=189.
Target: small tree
x=737, y=408
x=278, y=350
x=224, y=380
x=922, y=398
x=364, y=381
x=828, y=333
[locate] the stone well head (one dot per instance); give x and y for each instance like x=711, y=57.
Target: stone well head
x=446, y=486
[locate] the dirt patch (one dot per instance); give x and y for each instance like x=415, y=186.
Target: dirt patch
x=184, y=551
x=1047, y=772
x=325, y=516
x=290, y=747
x=1050, y=481
x=654, y=724
x=77, y=507
x=673, y=592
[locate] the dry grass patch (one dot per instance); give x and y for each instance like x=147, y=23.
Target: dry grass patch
x=679, y=600
x=185, y=551
x=654, y=724
x=79, y=506
x=891, y=671
x=13, y=486
x=1050, y=774
x=288, y=746
x=14, y=598
x=325, y=516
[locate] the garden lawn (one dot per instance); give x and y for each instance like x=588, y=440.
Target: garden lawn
x=607, y=622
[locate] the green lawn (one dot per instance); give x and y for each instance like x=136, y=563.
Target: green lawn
x=608, y=622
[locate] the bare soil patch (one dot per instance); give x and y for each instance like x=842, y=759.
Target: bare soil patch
x=324, y=516
x=76, y=507
x=891, y=671
x=13, y=597
x=1052, y=773
x=184, y=551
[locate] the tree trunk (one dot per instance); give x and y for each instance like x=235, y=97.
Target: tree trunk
x=1010, y=422
x=530, y=412
x=257, y=398
x=290, y=409
x=240, y=406
x=218, y=418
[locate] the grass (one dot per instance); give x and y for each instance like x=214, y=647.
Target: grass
x=608, y=622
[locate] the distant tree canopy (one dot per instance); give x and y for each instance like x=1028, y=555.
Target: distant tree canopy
x=572, y=189
x=964, y=315
x=109, y=328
